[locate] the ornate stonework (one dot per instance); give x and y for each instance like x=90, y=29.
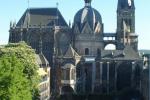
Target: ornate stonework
x=77, y=54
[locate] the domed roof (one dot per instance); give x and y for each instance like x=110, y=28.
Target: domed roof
x=87, y=14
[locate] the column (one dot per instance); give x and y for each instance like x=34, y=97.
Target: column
x=108, y=77
x=101, y=75
x=149, y=75
x=83, y=77
x=132, y=74
x=65, y=72
x=70, y=75
x=93, y=76
x=116, y=68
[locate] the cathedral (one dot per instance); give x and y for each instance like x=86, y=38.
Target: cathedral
x=77, y=53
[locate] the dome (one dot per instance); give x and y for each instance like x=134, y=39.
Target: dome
x=87, y=14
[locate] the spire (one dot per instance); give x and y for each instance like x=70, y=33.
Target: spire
x=14, y=24
x=11, y=24
x=57, y=20
x=88, y=2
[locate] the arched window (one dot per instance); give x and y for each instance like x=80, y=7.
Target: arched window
x=68, y=74
x=64, y=41
x=73, y=74
x=98, y=51
x=86, y=51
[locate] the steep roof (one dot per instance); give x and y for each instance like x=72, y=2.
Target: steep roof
x=127, y=54
x=145, y=51
x=42, y=16
x=70, y=52
x=41, y=60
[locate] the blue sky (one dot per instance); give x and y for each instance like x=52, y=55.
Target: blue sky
x=13, y=10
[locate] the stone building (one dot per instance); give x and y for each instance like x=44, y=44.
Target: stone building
x=77, y=53
x=44, y=73
x=146, y=75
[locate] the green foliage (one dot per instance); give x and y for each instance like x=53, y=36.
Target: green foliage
x=18, y=72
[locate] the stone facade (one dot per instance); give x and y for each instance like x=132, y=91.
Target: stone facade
x=80, y=63
x=44, y=73
x=145, y=76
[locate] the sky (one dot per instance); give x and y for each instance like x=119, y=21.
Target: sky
x=12, y=10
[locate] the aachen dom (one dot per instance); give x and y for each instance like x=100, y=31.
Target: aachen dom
x=77, y=55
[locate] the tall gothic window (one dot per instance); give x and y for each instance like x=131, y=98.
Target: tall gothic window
x=98, y=51
x=86, y=51
x=67, y=74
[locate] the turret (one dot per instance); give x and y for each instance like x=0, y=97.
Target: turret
x=126, y=24
x=126, y=12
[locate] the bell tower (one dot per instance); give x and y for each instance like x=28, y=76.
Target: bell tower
x=126, y=24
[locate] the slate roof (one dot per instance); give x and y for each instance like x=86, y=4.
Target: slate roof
x=41, y=60
x=145, y=51
x=87, y=14
x=127, y=54
x=42, y=16
x=70, y=53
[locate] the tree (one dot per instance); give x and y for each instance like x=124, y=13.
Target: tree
x=18, y=72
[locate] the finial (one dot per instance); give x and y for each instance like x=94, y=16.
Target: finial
x=57, y=4
x=14, y=24
x=69, y=23
x=28, y=3
x=11, y=24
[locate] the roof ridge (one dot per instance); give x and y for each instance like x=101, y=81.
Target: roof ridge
x=42, y=8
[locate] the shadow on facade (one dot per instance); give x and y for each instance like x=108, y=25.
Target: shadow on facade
x=126, y=94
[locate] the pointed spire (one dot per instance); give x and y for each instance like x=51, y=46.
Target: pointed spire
x=11, y=24
x=69, y=23
x=57, y=20
x=28, y=17
x=14, y=24
x=88, y=2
